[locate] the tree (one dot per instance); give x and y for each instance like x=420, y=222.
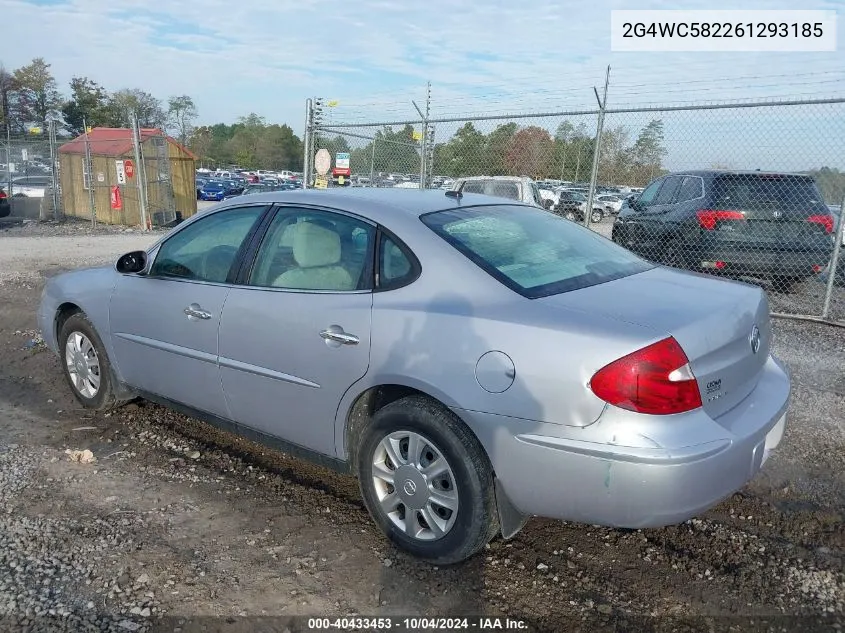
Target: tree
x=87, y=104
x=648, y=152
x=6, y=96
x=530, y=152
x=498, y=142
x=615, y=157
x=145, y=106
x=181, y=114
x=36, y=95
x=464, y=154
x=563, y=137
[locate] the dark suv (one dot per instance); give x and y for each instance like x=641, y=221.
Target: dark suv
x=768, y=226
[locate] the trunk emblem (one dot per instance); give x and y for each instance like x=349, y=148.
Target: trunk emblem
x=777, y=214
x=754, y=339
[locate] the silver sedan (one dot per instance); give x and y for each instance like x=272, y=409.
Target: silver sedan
x=473, y=361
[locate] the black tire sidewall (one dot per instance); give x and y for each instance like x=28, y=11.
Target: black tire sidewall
x=474, y=488
x=79, y=323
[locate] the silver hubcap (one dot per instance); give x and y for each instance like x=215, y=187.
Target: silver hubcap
x=83, y=364
x=415, y=485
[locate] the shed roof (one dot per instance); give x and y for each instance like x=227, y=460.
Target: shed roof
x=113, y=141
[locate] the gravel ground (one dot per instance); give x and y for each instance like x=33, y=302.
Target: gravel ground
x=177, y=526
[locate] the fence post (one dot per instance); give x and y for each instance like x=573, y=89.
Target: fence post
x=54, y=168
x=140, y=182
x=588, y=212
x=89, y=167
x=834, y=261
x=373, y=164
x=306, y=142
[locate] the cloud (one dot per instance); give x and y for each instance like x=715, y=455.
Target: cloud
x=267, y=56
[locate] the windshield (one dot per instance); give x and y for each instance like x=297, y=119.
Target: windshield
x=534, y=252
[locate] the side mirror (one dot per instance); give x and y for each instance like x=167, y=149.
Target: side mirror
x=131, y=263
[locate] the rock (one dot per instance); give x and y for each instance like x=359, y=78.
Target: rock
x=194, y=455
x=145, y=612
x=542, y=567
x=388, y=562
x=605, y=609
x=80, y=456
x=143, y=579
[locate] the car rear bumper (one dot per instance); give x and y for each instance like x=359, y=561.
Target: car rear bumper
x=554, y=473
x=768, y=262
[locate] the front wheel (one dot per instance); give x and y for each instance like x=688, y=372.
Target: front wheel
x=86, y=366
x=596, y=216
x=570, y=215
x=426, y=481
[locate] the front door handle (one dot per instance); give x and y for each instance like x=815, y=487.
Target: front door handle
x=335, y=334
x=194, y=311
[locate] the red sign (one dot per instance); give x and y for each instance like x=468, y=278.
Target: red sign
x=116, y=202
x=129, y=168
x=339, y=171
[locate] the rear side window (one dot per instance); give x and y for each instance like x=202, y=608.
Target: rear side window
x=533, y=252
x=499, y=189
x=766, y=191
x=474, y=186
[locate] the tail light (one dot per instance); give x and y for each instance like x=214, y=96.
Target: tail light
x=825, y=220
x=656, y=380
x=2, y=194
x=708, y=218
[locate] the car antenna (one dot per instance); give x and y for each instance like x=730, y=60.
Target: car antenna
x=457, y=193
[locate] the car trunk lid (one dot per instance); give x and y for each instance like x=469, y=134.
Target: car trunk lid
x=713, y=321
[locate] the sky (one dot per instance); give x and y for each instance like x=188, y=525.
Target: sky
x=375, y=56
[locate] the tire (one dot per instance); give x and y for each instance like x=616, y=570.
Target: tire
x=596, y=216
x=461, y=531
x=570, y=215
x=77, y=341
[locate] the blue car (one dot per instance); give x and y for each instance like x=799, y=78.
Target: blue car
x=215, y=191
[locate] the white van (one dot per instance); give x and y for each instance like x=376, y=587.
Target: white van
x=520, y=188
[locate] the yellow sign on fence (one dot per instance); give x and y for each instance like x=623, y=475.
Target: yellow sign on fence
x=320, y=183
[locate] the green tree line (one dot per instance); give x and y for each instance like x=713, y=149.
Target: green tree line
x=30, y=98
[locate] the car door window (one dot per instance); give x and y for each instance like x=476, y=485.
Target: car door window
x=394, y=264
x=649, y=193
x=690, y=189
x=206, y=249
x=667, y=192
x=308, y=249
x=474, y=186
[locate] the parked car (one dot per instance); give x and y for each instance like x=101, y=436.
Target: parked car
x=213, y=190
x=5, y=205
x=473, y=361
x=252, y=189
x=770, y=226
x=31, y=186
x=612, y=203
x=521, y=189
x=573, y=206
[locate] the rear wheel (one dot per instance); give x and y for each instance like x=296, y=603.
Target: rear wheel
x=596, y=216
x=570, y=215
x=426, y=481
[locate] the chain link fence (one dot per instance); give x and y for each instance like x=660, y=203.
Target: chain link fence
x=747, y=191
x=29, y=174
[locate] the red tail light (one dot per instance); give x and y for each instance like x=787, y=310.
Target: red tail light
x=2, y=194
x=825, y=220
x=656, y=380
x=708, y=218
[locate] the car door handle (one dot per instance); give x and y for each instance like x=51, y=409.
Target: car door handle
x=337, y=335
x=194, y=311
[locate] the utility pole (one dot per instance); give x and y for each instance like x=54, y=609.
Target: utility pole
x=424, y=139
x=597, y=150
x=306, y=142
x=54, y=168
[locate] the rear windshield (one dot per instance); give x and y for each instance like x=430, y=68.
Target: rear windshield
x=532, y=251
x=497, y=188
x=766, y=191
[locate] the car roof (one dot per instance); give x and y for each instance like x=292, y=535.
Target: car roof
x=504, y=178
x=380, y=205
x=738, y=172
